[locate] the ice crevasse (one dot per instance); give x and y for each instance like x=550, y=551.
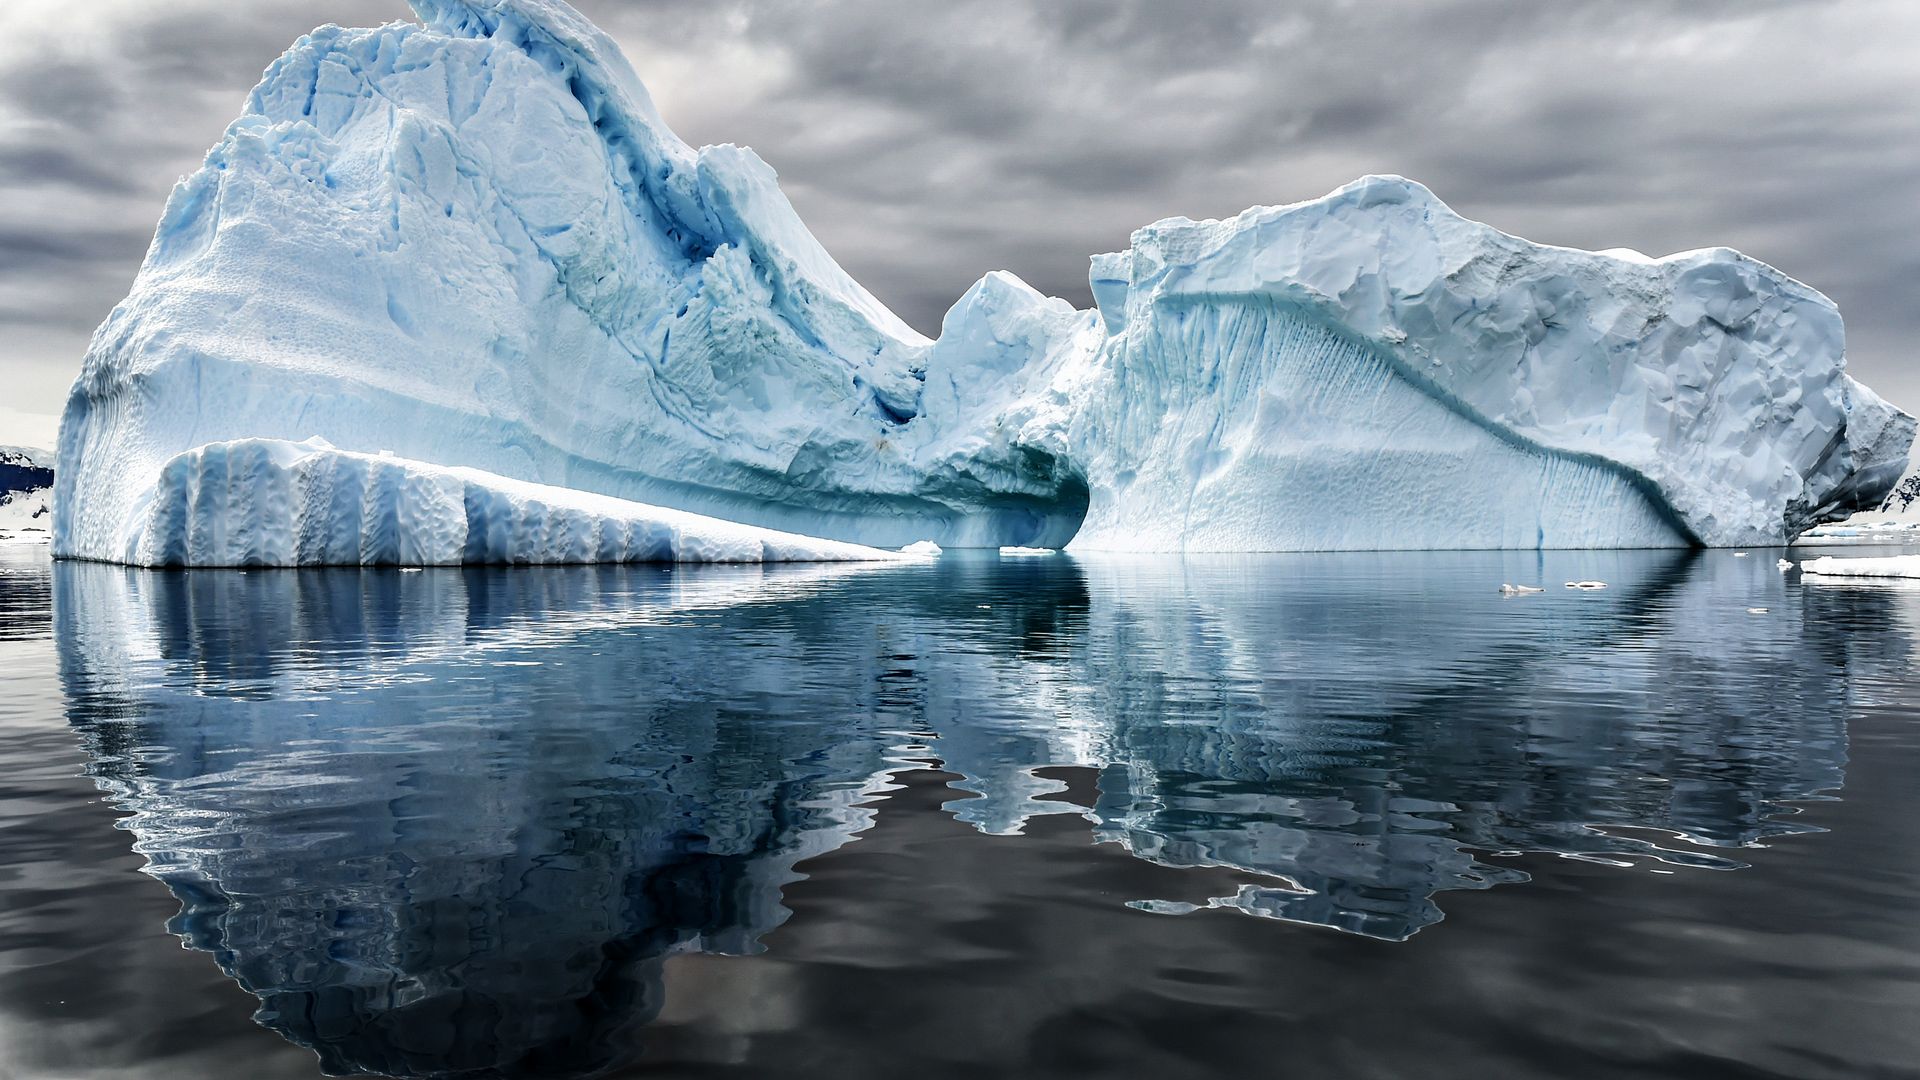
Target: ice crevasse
x=472, y=250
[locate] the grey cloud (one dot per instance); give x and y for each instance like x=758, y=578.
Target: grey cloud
x=62, y=163
x=926, y=143
x=60, y=89
x=39, y=251
x=228, y=45
x=1031, y=135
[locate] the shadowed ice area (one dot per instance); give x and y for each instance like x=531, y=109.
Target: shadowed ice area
x=456, y=822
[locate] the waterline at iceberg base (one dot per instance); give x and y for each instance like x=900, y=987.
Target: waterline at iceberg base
x=474, y=245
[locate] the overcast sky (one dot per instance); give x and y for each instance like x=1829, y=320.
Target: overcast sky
x=929, y=142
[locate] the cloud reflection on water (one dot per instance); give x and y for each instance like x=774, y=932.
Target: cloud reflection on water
x=456, y=821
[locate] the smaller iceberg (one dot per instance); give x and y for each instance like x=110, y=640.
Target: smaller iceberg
x=1371, y=370
x=1886, y=566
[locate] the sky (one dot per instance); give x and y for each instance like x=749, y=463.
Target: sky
x=926, y=143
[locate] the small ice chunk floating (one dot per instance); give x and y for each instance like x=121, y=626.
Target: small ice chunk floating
x=1886, y=566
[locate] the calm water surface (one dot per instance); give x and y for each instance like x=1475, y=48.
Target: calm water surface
x=1314, y=815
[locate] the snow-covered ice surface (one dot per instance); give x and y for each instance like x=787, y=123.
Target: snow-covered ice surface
x=265, y=502
x=475, y=244
x=1889, y=566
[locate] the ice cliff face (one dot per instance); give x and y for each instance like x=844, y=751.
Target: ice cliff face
x=263, y=502
x=474, y=244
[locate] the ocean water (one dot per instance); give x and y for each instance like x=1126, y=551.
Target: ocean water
x=1352, y=815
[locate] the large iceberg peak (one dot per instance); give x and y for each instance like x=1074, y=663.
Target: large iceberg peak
x=474, y=243
x=719, y=195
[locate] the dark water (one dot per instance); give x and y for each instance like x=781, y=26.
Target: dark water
x=1322, y=816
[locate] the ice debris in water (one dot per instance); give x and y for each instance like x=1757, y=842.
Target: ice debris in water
x=1586, y=584
x=1518, y=590
x=475, y=244
x=1887, y=566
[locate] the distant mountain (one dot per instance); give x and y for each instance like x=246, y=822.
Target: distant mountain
x=1903, y=495
x=26, y=492
x=1897, y=516
x=1901, y=504
x=23, y=468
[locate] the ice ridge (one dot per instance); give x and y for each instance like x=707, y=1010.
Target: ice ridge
x=264, y=502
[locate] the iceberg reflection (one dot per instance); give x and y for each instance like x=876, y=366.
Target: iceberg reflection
x=454, y=822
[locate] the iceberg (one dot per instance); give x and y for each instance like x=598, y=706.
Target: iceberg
x=473, y=244
x=1372, y=370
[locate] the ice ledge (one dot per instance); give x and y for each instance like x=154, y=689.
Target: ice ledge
x=270, y=502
